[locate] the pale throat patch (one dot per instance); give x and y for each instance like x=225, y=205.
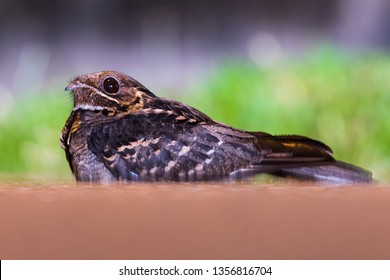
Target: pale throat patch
x=89, y=107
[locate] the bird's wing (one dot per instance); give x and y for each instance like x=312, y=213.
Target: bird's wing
x=162, y=145
x=167, y=140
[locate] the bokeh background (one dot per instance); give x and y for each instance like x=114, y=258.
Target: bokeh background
x=318, y=68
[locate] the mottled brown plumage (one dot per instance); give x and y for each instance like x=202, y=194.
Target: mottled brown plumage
x=119, y=130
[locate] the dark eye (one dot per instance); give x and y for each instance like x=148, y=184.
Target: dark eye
x=111, y=85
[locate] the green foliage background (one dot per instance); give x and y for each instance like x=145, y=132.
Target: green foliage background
x=331, y=96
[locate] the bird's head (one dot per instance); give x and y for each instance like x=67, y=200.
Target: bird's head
x=108, y=91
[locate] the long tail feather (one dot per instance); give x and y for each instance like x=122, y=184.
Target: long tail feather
x=304, y=158
x=335, y=172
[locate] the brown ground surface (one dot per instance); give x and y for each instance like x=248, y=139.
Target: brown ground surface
x=242, y=221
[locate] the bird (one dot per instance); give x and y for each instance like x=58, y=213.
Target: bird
x=119, y=131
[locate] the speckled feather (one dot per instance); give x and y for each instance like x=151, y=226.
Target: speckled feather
x=143, y=150
x=133, y=135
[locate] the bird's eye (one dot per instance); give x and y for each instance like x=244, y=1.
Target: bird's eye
x=111, y=85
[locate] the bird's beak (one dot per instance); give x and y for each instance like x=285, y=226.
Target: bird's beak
x=72, y=86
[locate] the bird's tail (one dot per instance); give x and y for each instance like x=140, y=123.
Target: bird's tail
x=301, y=157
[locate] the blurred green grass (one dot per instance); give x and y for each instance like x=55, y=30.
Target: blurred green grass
x=334, y=97
x=29, y=140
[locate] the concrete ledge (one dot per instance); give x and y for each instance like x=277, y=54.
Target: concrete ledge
x=230, y=221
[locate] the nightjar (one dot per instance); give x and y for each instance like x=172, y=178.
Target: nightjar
x=118, y=130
